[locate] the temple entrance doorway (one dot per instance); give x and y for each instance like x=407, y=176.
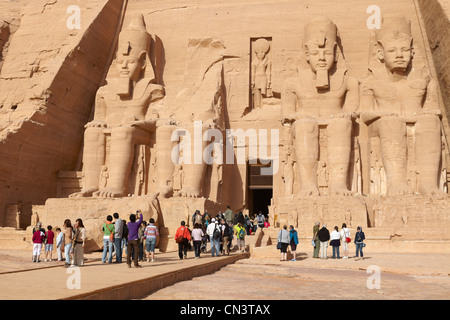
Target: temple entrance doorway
x=260, y=189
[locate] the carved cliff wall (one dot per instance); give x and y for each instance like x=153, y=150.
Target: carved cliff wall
x=47, y=87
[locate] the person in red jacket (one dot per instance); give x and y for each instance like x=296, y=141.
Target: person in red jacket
x=183, y=238
x=38, y=239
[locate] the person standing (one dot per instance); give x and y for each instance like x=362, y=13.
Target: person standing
x=133, y=239
x=68, y=236
x=335, y=242
x=240, y=236
x=38, y=240
x=182, y=237
x=151, y=239
x=118, y=235
x=197, y=236
x=359, y=242
x=214, y=234
x=228, y=215
x=59, y=243
x=283, y=240
x=227, y=232
x=78, y=243
x=316, y=240
x=108, y=239
x=324, y=237
x=50, y=236
x=260, y=218
x=345, y=236
x=293, y=236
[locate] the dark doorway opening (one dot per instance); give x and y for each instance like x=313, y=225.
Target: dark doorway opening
x=260, y=188
x=260, y=201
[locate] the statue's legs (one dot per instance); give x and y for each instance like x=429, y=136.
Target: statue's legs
x=93, y=160
x=339, y=144
x=164, y=164
x=121, y=156
x=428, y=154
x=194, y=172
x=392, y=133
x=306, y=134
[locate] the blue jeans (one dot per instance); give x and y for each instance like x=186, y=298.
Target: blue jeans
x=336, y=252
x=107, y=245
x=150, y=244
x=67, y=249
x=215, y=246
x=118, y=249
x=359, y=247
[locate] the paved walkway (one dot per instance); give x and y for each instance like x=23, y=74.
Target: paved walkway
x=95, y=280
x=25, y=280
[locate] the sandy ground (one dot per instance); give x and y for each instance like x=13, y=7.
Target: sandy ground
x=379, y=276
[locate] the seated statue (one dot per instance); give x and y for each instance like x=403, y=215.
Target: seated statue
x=321, y=93
x=121, y=111
x=394, y=94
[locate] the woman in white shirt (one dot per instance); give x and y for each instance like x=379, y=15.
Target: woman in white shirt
x=197, y=236
x=345, y=233
x=335, y=242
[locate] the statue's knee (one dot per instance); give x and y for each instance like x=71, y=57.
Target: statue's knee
x=122, y=133
x=306, y=126
x=93, y=135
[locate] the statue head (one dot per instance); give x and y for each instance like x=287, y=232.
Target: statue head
x=261, y=47
x=320, y=44
x=395, y=43
x=132, y=55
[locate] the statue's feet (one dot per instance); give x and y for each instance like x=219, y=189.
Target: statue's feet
x=109, y=193
x=190, y=193
x=83, y=193
x=166, y=192
x=399, y=189
x=309, y=192
x=433, y=192
x=340, y=191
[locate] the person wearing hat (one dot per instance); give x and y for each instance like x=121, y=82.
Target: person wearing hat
x=215, y=242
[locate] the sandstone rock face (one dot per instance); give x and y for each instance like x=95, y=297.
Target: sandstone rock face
x=48, y=83
x=315, y=115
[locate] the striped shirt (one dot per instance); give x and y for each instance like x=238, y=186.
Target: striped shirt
x=151, y=231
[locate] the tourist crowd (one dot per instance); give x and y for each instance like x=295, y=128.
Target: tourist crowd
x=321, y=240
x=139, y=238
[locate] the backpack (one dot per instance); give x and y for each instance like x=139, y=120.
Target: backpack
x=226, y=232
x=241, y=233
x=217, y=233
x=125, y=231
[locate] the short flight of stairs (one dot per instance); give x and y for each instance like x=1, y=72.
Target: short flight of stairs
x=13, y=239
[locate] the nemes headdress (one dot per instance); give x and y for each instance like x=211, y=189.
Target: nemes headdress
x=135, y=37
x=394, y=27
x=321, y=30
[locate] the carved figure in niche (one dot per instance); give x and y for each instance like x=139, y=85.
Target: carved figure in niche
x=288, y=171
x=395, y=93
x=322, y=176
x=121, y=111
x=261, y=72
x=322, y=91
x=178, y=178
x=104, y=177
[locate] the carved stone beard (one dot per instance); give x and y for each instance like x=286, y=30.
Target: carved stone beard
x=124, y=87
x=322, y=79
